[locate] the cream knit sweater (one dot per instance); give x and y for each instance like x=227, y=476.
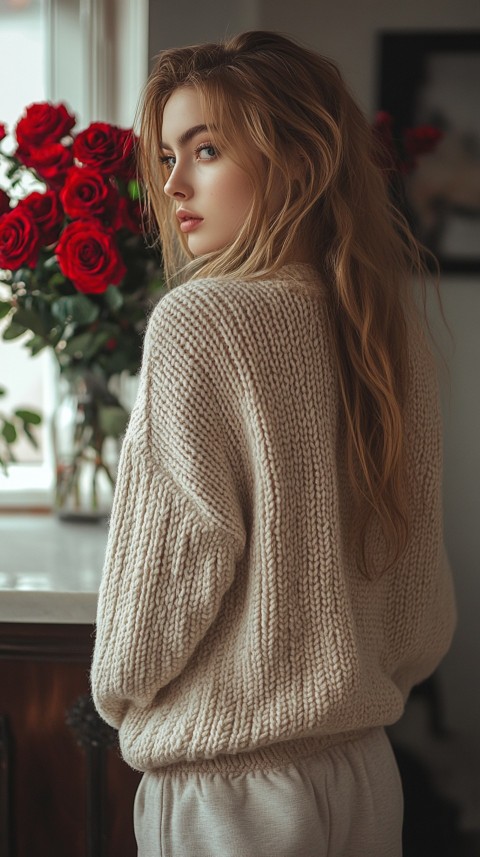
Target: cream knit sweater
x=234, y=629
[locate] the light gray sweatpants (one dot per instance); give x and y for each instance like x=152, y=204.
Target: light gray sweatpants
x=345, y=801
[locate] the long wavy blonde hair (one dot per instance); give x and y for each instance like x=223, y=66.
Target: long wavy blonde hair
x=262, y=89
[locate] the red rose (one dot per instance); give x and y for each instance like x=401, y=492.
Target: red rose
x=3, y=131
x=107, y=147
x=422, y=140
x=4, y=203
x=43, y=123
x=46, y=211
x=128, y=215
x=87, y=193
x=51, y=162
x=19, y=240
x=88, y=254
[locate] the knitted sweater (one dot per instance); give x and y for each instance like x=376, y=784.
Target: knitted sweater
x=234, y=628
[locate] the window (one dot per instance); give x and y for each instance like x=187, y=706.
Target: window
x=22, y=32
x=92, y=54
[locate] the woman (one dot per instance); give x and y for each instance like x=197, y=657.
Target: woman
x=275, y=580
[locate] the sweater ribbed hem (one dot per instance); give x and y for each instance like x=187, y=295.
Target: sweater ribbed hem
x=263, y=758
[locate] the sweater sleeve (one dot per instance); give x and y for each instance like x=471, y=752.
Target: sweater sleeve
x=176, y=530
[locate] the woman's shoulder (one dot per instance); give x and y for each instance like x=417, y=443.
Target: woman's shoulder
x=194, y=318
x=208, y=310
x=197, y=292
x=196, y=305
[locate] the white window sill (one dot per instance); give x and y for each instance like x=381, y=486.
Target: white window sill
x=27, y=486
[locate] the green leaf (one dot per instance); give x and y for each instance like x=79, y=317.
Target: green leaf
x=2, y=391
x=84, y=311
x=36, y=344
x=77, y=345
x=157, y=287
x=28, y=417
x=9, y=432
x=57, y=280
x=5, y=307
x=13, y=331
x=113, y=420
x=133, y=189
x=30, y=320
x=33, y=440
x=114, y=298
x=97, y=343
x=86, y=345
x=77, y=308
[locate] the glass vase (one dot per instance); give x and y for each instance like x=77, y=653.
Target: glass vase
x=87, y=425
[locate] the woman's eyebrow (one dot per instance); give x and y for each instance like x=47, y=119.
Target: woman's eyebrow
x=186, y=136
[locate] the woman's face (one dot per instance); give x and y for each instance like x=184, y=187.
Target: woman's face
x=213, y=195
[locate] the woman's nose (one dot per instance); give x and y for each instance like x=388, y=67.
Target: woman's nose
x=177, y=186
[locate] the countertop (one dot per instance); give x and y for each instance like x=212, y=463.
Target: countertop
x=50, y=570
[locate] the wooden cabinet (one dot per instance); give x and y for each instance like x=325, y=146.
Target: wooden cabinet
x=58, y=797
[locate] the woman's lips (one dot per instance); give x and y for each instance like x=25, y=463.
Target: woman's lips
x=187, y=224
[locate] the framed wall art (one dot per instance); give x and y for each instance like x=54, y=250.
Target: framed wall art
x=433, y=78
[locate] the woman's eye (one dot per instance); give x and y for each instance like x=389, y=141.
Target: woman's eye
x=168, y=162
x=206, y=152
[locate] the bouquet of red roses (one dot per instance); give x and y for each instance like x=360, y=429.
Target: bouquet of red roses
x=75, y=262
x=76, y=273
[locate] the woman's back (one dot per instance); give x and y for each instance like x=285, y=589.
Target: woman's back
x=241, y=434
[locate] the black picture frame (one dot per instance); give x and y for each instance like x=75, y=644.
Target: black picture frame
x=433, y=78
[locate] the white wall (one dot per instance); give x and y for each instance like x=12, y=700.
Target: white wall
x=346, y=29
x=191, y=22
x=461, y=408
